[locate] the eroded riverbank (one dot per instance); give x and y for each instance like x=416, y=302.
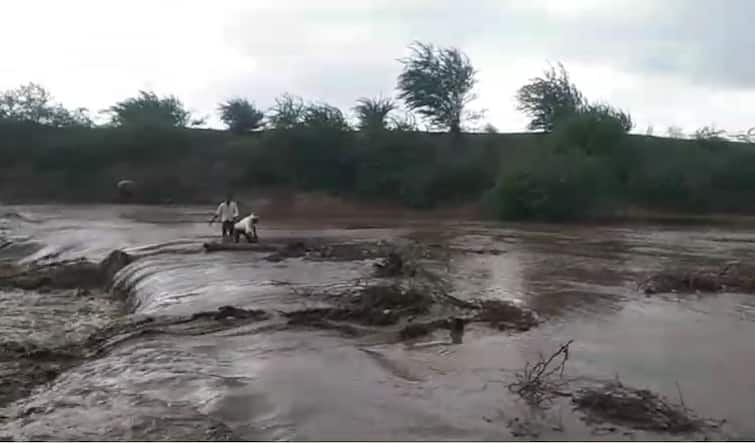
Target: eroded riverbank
x=328, y=340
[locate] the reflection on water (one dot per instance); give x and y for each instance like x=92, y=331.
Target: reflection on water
x=256, y=382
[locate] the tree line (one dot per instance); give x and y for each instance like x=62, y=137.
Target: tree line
x=437, y=84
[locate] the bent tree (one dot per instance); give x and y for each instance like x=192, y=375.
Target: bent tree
x=437, y=83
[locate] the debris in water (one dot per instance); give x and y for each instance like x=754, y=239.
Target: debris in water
x=225, y=312
x=639, y=409
x=456, y=326
x=527, y=429
x=733, y=276
x=394, y=265
x=377, y=305
x=414, y=330
x=390, y=266
x=392, y=301
x=540, y=382
x=503, y=314
x=322, y=318
x=419, y=292
x=321, y=250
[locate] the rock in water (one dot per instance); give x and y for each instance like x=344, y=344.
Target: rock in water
x=113, y=263
x=456, y=326
x=391, y=266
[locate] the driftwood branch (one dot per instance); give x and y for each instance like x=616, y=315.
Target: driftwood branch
x=539, y=382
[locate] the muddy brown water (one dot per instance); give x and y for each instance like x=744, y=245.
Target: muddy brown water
x=253, y=382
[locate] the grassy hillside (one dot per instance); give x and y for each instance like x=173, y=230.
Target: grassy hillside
x=531, y=176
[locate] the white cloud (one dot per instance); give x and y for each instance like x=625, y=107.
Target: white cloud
x=677, y=62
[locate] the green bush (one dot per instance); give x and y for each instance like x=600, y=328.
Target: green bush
x=594, y=131
x=552, y=186
x=311, y=158
x=580, y=170
x=422, y=170
x=686, y=176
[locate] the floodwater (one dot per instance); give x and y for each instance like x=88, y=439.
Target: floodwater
x=258, y=381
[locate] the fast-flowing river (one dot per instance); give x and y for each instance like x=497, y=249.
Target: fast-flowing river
x=259, y=381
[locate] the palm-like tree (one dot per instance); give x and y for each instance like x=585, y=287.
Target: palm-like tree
x=373, y=113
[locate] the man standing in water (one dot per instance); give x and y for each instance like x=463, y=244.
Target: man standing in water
x=228, y=212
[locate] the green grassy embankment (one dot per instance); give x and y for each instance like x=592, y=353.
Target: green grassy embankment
x=513, y=176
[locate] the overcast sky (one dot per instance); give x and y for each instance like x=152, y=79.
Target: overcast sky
x=685, y=63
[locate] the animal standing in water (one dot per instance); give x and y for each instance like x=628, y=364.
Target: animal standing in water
x=126, y=190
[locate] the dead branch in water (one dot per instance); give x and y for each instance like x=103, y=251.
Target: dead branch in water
x=535, y=382
x=640, y=409
x=732, y=276
x=681, y=397
x=611, y=401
